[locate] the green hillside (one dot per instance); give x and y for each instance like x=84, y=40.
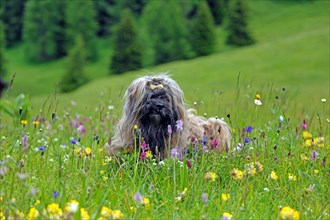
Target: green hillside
x=292, y=52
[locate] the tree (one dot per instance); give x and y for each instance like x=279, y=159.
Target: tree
x=217, y=8
x=3, y=70
x=203, y=31
x=81, y=20
x=237, y=28
x=12, y=18
x=75, y=76
x=43, y=30
x=166, y=29
x=127, y=53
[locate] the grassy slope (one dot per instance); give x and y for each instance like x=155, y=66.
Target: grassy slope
x=291, y=52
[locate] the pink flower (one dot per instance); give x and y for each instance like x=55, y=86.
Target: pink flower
x=304, y=125
x=143, y=155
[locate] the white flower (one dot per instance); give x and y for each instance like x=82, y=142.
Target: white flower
x=266, y=189
x=281, y=118
x=110, y=107
x=323, y=100
x=257, y=102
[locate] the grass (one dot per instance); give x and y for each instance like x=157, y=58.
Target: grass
x=288, y=66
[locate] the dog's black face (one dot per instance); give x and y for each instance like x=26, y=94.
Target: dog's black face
x=157, y=113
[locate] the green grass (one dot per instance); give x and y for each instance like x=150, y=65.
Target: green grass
x=292, y=52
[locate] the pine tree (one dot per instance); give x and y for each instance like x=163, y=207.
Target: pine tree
x=203, y=31
x=43, y=30
x=238, y=24
x=217, y=8
x=3, y=70
x=167, y=30
x=11, y=14
x=127, y=53
x=75, y=76
x=81, y=20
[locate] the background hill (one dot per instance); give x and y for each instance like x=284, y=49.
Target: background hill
x=292, y=52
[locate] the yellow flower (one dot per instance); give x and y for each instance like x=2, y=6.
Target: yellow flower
x=307, y=135
x=210, y=176
x=225, y=196
x=88, y=151
x=37, y=202
x=258, y=96
x=308, y=142
x=146, y=202
x=1, y=198
x=71, y=207
x=106, y=212
x=117, y=214
x=84, y=214
x=33, y=214
x=135, y=127
x=316, y=171
x=36, y=123
x=54, y=210
x=2, y=216
x=237, y=174
x=23, y=122
x=288, y=213
x=149, y=154
x=19, y=214
x=227, y=215
x=105, y=178
x=319, y=141
x=132, y=209
x=273, y=175
x=102, y=172
x=292, y=177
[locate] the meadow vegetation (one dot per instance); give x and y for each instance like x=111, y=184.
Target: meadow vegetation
x=54, y=165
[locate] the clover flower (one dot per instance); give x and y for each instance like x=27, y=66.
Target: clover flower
x=211, y=176
x=225, y=197
x=287, y=213
x=33, y=214
x=273, y=175
x=237, y=174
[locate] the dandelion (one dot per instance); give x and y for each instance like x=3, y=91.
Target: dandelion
x=37, y=202
x=318, y=141
x=273, y=175
x=211, y=176
x=308, y=142
x=237, y=174
x=106, y=212
x=33, y=214
x=287, y=213
x=292, y=177
x=179, y=125
x=117, y=214
x=226, y=216
x=225, y=197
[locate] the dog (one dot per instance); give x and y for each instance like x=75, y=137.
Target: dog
x=155, y=106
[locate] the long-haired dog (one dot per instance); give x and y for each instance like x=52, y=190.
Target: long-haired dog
x=155, y=104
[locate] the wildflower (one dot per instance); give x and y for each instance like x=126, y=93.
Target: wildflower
x=281, y=118
x=54, y=211
x=117, y=214
x=225, y=196
x=307, y=135
x=182, y=194
x=73, y=141
x=105, y=178
x=239, y=147
x=237, y=174
x=248, y=129
x=323, y=100
x=71, y=207
x=33, y=214
x=81, y=129
x=42, y=148
x=169, y=129
x=226, y=216
x=188, y=163
x=146, y=202
x=257, y=102
x=287, y=213
x=247, y=140
x=204, y=140
x=176, y=153
x=88, y=151
x=292, y=177
x=303, y=157
x=106, y=212
x=273, y=175
x=204, y=198
x=149, y=154
x=179, y=125
x=314, y=155
x=304, y=125
x=55, y=194
x=144, y=145
x=84, y=214
x=37, y=202
x=135, y=127
x=259, y=166
x=316, y=171
x=25, y=141
x=102, y=172
x=36, y=123
x=308, y=142
x=24, y=122
x=138, y=197
x=214, y=144
x=143, y=155
x=266, y=189
x=258, y=96
x=210, y=176
x=319, y=141
x=111, y=107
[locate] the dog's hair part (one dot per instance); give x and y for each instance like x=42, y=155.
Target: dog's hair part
x=155, y=103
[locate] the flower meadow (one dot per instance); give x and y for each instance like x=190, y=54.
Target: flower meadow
x=54, y=165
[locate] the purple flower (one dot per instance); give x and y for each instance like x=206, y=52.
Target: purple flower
x=204, y=198
x=188, y=163
x=248, y=129
x=214, y=144
x=74, y=124
x=304, y=125
x=169, y=129
x=81, y=129
x=42, y=148
x=247, y=140
x=55, y=194
x=138, y=197
x=314, y=155
x=25, y=140
x=204, y=140
x=143, y=155
x=73, y=141
x=205, y=149
x=176, y=153
x=144, y=145
x=179, y=125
